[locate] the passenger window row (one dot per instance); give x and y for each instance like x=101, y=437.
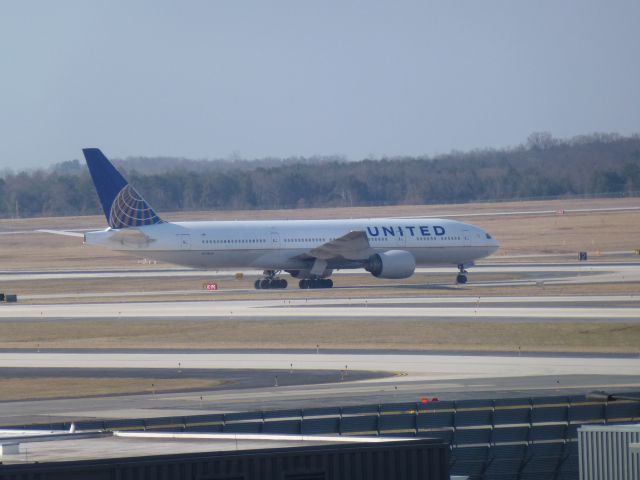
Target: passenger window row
x=235, y=241
x=422, y=239
x=297, y=240
x=294, y=240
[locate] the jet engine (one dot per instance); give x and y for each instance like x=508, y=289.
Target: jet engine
x=391, y=264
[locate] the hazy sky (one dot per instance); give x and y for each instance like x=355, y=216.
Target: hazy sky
x=210, y=79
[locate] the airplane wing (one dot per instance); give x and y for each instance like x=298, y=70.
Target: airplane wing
x=352, y=246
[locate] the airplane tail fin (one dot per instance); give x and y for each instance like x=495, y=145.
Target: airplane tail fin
x=123, y=206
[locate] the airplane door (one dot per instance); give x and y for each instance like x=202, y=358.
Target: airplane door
x=275, y=240
x=184, y=240
x=402, y=240
x=399, y=240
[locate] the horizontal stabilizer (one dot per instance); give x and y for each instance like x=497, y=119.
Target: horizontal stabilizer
x=62, y=232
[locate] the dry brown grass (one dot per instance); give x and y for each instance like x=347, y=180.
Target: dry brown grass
x=43, y=251
x=12, y=389
x=329, y=334
x=591, y=232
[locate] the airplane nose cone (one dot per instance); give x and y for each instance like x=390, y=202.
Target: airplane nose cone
x=491, y=243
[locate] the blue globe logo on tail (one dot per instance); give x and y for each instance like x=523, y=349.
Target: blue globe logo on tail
x=129, y=209
x=123, y=206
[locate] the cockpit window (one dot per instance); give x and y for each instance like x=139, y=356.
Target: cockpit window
x=488, y=236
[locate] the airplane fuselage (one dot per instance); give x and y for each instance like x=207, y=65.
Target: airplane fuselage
x=282, y=245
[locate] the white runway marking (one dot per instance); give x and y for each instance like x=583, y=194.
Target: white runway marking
x=548, y=299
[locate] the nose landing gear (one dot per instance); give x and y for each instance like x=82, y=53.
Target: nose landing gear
x=461, y=279
x=270, y=281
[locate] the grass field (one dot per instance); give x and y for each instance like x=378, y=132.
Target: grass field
x=396, y=334
x=64, y=387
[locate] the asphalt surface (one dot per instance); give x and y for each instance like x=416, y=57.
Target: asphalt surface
x=415, y=376
x=430, y=306
x=629, y=263
x=408, y=367
x=295, y=397
x=234, y=379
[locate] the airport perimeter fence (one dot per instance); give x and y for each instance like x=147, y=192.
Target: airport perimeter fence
x=502, y=439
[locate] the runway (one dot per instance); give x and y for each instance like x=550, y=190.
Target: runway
x=414, y=376
x=346, y=302
x=237, y=378
x=541, y=282
x=309, y=396
x=625, y=270
x=510, y=309
x=407, y=367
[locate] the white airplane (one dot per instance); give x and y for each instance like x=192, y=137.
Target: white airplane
x=309, y=250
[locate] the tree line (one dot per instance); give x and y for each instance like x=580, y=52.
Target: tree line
x=596, y=164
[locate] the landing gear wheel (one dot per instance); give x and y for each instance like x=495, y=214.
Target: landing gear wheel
x=304, y=284
x=270, y=281
x=461, y=279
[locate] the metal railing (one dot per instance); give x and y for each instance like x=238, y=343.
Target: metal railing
x=496, y=439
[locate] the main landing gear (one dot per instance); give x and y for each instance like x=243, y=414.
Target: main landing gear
x=462, y=276
x=270, y=281
x=307, y=283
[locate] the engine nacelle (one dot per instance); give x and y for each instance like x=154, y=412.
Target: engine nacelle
x=307, y=274
x=391, y=264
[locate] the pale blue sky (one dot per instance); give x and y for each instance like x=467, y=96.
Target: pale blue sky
x=209, y=79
